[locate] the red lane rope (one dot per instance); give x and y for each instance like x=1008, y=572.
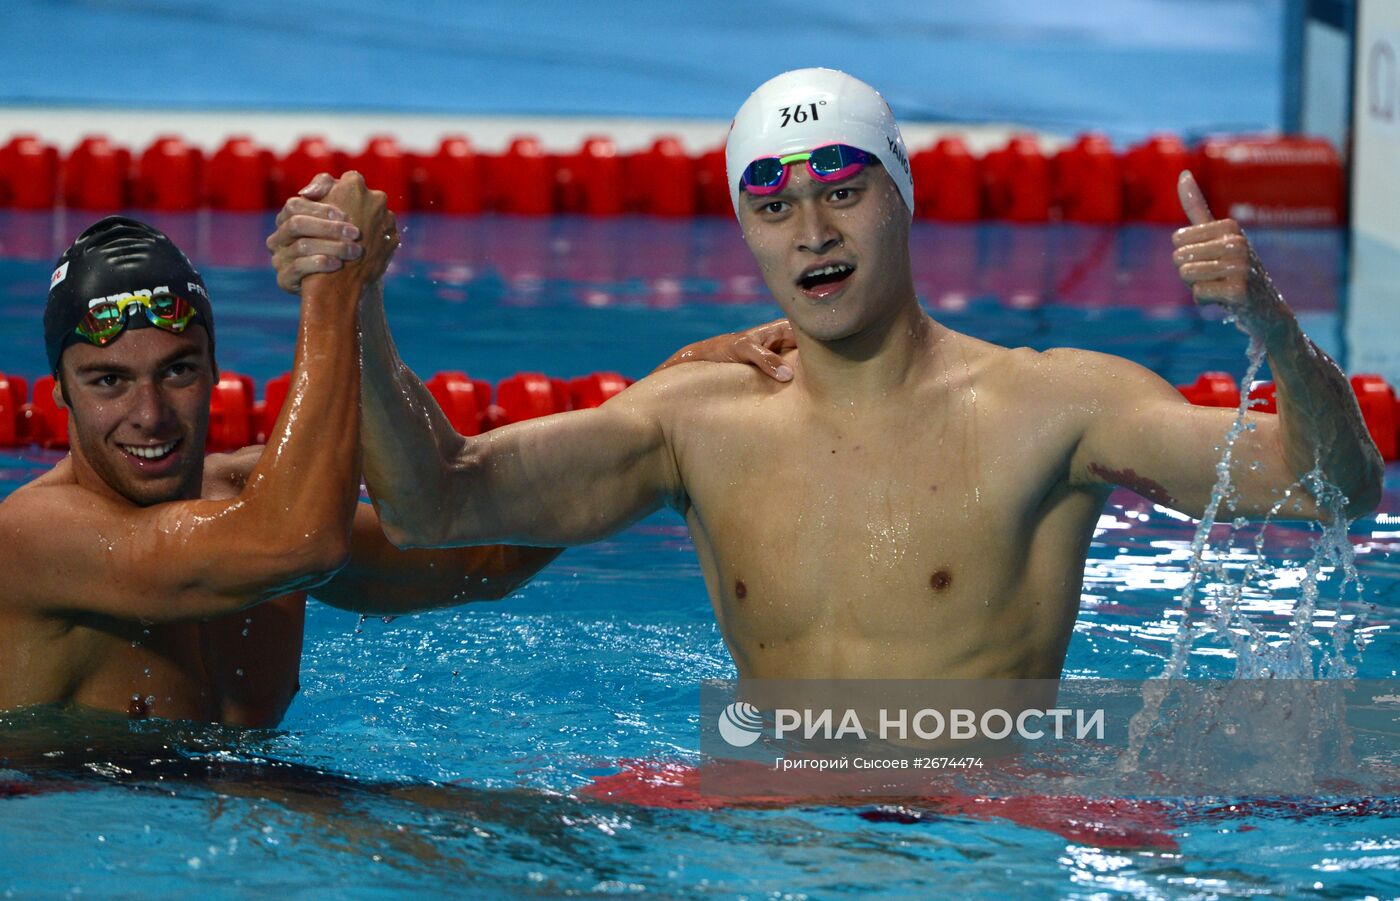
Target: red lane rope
x=238, y=418
x=1265, y=180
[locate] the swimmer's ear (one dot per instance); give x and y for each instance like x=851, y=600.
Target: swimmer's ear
x=60, y=397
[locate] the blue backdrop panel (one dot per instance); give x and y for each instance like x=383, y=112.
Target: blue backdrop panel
x=1128, y=66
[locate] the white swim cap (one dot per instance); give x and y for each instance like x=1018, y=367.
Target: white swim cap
x=809, y=108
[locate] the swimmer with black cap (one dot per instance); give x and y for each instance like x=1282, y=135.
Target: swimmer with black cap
x=118, y=276
x=131, y=542
x=136, y=554
x=139, y=552
x=914, y=503
x=117, y=266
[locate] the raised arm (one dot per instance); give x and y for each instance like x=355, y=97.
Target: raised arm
x=82, y=550
x=1145, y=436
x=413, y=456
x=564, y=479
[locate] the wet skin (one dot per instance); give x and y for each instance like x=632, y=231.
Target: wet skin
x=915, y=503
x=936, y=494
x=148, y=389
x=162, y=580
x=154, y=582
x=240, y=669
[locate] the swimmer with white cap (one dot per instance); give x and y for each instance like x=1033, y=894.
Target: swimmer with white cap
x=914, y=502
x=808, y=111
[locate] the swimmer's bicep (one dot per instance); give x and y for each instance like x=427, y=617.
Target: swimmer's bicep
x=83, y=553
x=565, y=479
x=1120, y=408
x=1151, y=440
x=1139, y=433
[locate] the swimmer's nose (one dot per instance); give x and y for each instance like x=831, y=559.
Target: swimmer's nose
x=149, y=411
x=816, y=234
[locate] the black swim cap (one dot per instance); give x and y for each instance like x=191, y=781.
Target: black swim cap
x=117, y=256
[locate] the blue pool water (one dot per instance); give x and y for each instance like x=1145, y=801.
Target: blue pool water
x=461, y=737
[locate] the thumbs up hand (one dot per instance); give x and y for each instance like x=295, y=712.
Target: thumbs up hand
x=1216, y=260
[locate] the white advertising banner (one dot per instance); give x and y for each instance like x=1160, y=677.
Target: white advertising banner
x=1373, y=315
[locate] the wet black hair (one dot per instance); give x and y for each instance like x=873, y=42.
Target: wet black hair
x=117, y=255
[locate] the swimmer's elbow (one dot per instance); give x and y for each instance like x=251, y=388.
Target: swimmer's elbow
x=1365, y=495
x=318, y=560
x=500, y=587
x=418, y=525
x=1361, y=481
x=331, y=559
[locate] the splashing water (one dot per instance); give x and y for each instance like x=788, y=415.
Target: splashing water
x=1216, y=582
x=1219, y=581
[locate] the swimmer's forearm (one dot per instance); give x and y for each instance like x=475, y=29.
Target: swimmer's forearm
x=1320, y=420
x=408, y=441
x=302, y=494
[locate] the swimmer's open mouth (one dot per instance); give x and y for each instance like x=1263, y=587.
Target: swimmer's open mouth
x=826, y=278
x=150, y=452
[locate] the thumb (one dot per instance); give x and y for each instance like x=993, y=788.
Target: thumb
x=319, y=187
x=1192, y=200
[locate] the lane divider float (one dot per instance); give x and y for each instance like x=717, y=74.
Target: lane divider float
x=237, y=418
x=1296, y=181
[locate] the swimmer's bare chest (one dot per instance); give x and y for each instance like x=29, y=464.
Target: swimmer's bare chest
x=112, y=664
x=239, y=670
x=921, y=541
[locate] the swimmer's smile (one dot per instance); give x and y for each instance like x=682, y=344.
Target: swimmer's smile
x=152, y=459
x=822, y=280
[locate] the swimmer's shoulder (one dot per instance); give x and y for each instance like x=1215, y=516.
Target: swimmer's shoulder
x=962, y=362
x=688, y=386
x=1078, y=377
x=32, y=514
x=60, y=474
x=45, y=492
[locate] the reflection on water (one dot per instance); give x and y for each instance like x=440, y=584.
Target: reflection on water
x=499, y=294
